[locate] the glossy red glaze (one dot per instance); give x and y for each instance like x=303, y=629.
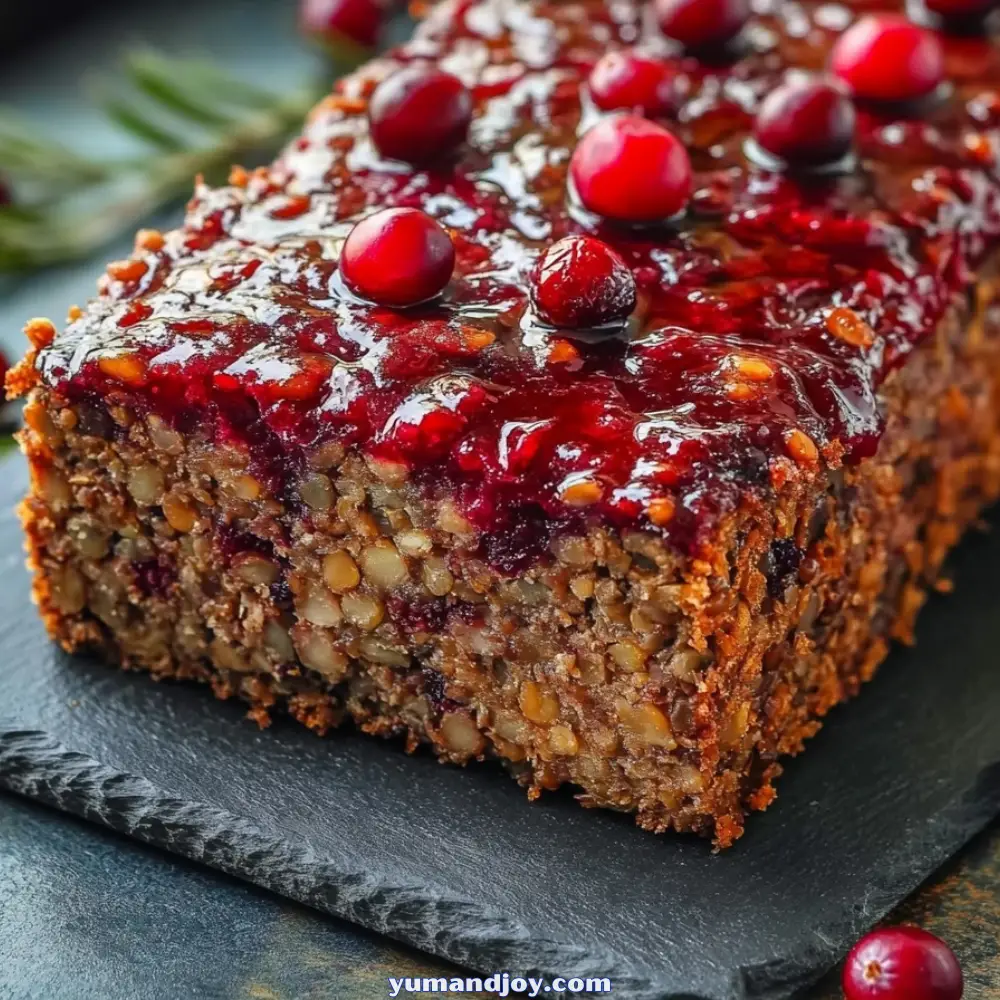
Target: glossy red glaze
x=419, y=114
x=240, y=327
x=902, y=963
x=358, y=21
x=700, y=24
x=960, y=8
x=581, y=282
x=397, y=257
x=806, y=121
x=631, y=170
x=885, y=57
x=628, y=81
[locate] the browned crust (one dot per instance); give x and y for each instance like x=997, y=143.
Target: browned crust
x=656, y=685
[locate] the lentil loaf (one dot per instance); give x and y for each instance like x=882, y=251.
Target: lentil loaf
x=644, y=564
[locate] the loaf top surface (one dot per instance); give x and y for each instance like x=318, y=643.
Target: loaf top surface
x=240, y=323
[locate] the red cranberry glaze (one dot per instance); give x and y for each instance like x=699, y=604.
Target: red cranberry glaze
x=581, y=282
x=884, y=57
x=960, y=8
x=627, y=81
x=631, y=170
x=768, y=315
x=701, y=24
x=333, y=21
x=419, y=114
x=806, y=121
x=397, y=257
x=902, y=963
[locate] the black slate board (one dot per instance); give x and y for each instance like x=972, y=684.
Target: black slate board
x=457, y=863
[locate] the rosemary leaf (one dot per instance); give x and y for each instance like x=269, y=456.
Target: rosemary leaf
x=166, y=81
x=84, y=204
x=24, y=151
x=206, y=78
x=133, y=121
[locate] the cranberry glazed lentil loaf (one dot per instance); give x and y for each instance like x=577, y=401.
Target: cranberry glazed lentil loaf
x=616, y=442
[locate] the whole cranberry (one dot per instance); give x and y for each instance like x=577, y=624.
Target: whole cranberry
x=419, y=114
x=632, y=170
x=627, y=81
x=4, y=368
x=334, y=21
x=884, y=57
x=806, y=121
x=580, y=282
x=700, y=24
x=902, y=963
x=397, y=257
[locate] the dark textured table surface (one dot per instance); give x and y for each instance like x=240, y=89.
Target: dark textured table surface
x=87, y=915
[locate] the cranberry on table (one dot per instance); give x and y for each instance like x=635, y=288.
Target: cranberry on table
x=334, y=21
x=419, y=114
x=902, y=963
x=960, y=8
x=631, y=170
x=701, y=24
x=625, y=80
x=885, y=57
x=397, y=257
x=581, y=282
x=806, y=121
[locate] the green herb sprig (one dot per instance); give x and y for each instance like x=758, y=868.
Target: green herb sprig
x=189, y=118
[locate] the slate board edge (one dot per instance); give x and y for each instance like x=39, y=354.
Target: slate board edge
x=459, y=930
x=462, y=931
